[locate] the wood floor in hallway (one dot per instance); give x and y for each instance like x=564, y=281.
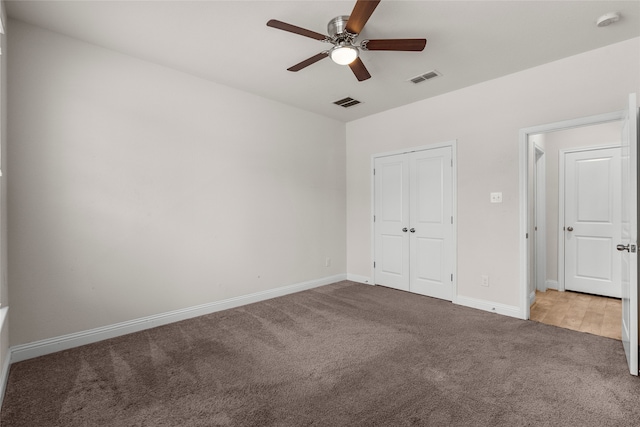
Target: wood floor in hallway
x=581, y=312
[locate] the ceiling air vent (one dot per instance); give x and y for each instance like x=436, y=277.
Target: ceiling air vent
x=347, y=102
x=424, y=77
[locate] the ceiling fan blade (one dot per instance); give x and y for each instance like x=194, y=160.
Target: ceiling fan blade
x=360, y=15
x=359, y=70
x=308, y=62
x=415, y=45
x=296, y=30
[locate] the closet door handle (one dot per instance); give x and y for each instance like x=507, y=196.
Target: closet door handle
x=413, y=230
x=404, y=229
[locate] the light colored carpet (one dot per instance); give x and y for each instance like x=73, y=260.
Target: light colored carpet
x=346, y=354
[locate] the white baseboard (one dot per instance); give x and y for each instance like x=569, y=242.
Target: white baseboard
x=505, y=310
x=552, y=284
x=532, y=298
x=51, y=345
x=359, y=279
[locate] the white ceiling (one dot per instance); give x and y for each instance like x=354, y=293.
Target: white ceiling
x=228, y=42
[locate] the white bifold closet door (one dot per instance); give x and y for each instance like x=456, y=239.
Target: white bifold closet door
x=413, y=222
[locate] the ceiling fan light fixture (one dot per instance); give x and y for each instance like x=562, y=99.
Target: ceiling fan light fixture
x=343, y=54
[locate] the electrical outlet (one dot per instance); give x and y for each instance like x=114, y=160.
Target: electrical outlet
x=484, y=280
x=496, y=197
x=327, y=262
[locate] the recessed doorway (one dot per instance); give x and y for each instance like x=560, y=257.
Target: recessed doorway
x=548, y=198
x=569, y=247
x=626, y=122
x=573, y=244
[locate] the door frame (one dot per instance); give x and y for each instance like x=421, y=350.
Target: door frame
x=454, y=188
x=523, y=144
x=561, y=188
x=540, y=223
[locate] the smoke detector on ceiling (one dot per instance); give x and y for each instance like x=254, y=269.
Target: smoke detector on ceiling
x=608, y=19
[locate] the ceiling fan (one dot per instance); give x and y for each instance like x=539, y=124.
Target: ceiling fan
x=343, y=31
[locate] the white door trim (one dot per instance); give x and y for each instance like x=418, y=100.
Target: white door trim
x=454, y=185
x=561, y=235
x=630, y=235
x=540, y=241
x=523, y=140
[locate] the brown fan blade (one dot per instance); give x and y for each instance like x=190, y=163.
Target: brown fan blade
x=308, y=62
x=360, y=15
x=359, y=70
x=295, y=30
x=415, y=45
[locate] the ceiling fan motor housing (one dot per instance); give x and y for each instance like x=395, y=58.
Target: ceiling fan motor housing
x=337, y=25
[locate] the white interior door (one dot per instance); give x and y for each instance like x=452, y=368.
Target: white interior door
x=629, y=236
x=431, y=218
x=391, y=221
x=593, y=221
x=413, y=216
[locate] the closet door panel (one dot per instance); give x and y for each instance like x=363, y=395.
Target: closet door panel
x=430, y=205
x=391, y=217
x=413, y=231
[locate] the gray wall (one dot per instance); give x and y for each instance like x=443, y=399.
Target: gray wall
x=136, y=189
x=486, y=119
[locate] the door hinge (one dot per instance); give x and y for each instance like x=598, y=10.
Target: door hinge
x=451, y=162
x=452, y=277
x=374, y=171
x=374, y=218
x=452, y=220
x=374, y=264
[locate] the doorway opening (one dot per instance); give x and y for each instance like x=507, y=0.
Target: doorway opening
x=542, y=153
x=574, y=227
x=581, y=208
x=627, y=246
